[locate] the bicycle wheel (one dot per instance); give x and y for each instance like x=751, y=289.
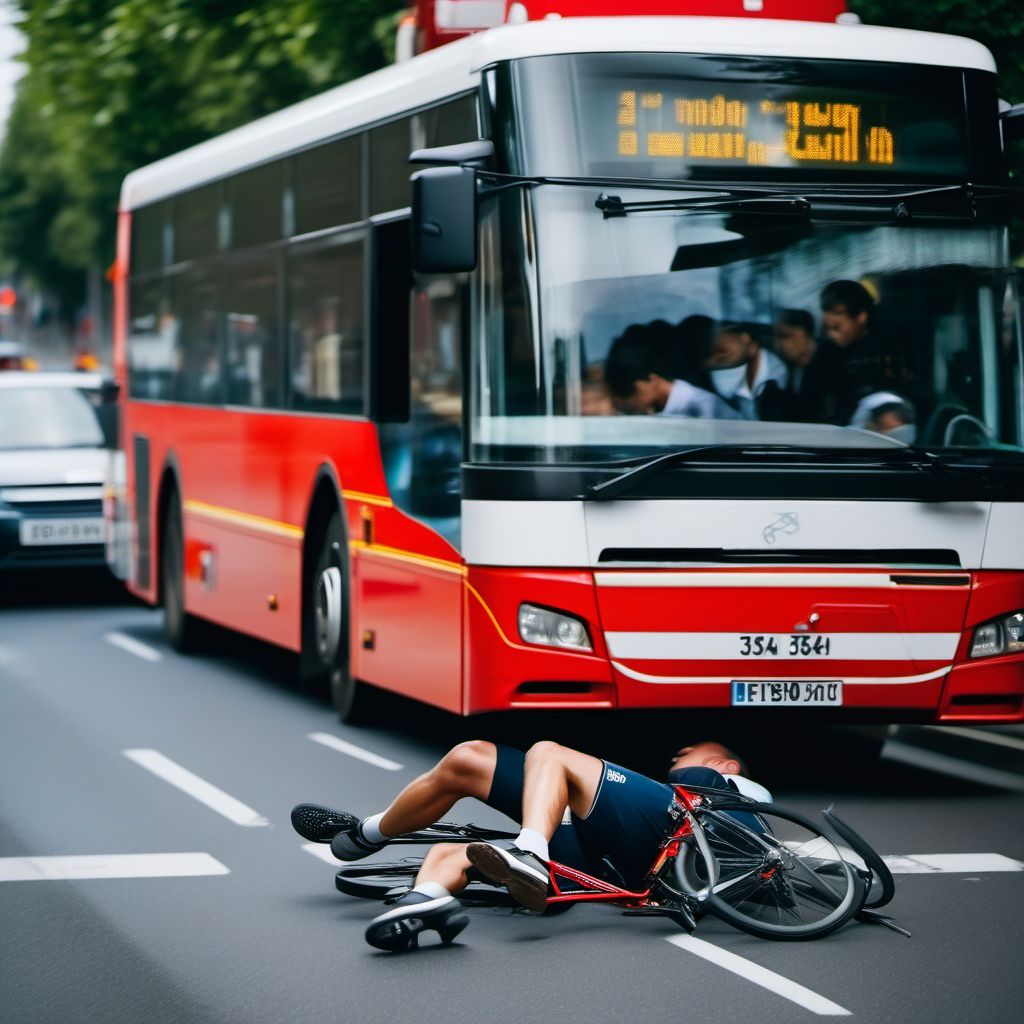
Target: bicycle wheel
x=387, y=880
x=377, y=881
x=773, y=873
x=882, y=887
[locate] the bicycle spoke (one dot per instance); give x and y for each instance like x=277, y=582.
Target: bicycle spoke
x=723, y=886
x=815, y=880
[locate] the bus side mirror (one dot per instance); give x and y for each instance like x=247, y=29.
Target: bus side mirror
x=444, y=236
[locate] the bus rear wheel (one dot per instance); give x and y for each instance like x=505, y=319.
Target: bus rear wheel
x=180, y=628
x=326, y=625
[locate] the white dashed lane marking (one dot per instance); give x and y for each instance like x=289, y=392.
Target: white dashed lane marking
x=950, y=863
x=197, y=788
x=133, y=646
x=134, y=865
x=344, y=747
x=323, y=851
x=760, y=976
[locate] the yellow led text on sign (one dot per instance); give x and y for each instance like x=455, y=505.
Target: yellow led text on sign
x=719, y=129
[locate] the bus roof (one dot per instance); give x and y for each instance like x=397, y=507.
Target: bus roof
x=454, y=68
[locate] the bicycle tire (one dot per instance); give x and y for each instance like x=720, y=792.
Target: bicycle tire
x=388, y=880
x=785, y=868
x=878, y=868
x=376, y=881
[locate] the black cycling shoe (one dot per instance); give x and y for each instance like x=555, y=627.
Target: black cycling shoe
x=398, y=930
x=351, y=844
x=321, y=824
x=524, y=874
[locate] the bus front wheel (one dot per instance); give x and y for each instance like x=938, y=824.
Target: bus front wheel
x=326, y=626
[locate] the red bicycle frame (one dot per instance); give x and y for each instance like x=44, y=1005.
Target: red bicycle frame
x=596, y=890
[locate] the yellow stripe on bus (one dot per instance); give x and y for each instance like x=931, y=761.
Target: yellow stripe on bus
x=369, y=499
x=233, y=516
x=408, y=556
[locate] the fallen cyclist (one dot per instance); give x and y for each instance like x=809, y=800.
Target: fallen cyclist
x=616, y=823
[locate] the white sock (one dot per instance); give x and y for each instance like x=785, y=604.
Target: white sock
x=370, y=828
x=533, y=842
x=432, y=890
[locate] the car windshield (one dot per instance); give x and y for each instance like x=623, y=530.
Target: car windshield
x=615, y=337
x=47, y=417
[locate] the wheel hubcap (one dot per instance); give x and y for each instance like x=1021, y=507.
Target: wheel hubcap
x=328, y=614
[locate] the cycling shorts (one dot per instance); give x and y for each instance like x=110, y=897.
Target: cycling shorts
x=618, y=839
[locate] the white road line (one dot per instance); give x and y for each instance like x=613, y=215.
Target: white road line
x=950, y=863
x=201, y=790
x=760, y=976
x=136, y=647
x=133, y=865
x=895, y=750
x=999, y=739
x=353, y=751
x=323, y=851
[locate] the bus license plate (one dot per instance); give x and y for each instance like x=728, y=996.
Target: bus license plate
x=787, y=693
x=61, y=531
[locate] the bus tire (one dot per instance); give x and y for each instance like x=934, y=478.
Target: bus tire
x=180, y=628
x=326, y=626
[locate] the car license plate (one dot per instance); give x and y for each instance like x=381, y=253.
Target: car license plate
x=62, y=531
x=787, y=693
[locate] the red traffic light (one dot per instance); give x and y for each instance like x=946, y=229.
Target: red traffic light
x=8, y=296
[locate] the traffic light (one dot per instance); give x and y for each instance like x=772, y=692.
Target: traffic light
x=8, y=298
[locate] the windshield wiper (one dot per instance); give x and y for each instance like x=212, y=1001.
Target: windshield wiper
x=772, y=205
x=702, y=453
x=895, y=458
x=940, y=201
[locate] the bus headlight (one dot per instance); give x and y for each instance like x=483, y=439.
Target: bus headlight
x=552, y=629
x=1000, y=636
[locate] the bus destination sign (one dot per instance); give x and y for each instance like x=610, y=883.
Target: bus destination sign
x=660, y=128
x=761, y=133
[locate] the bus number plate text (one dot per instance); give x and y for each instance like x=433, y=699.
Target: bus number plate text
x=787, y=693
x=779, y=645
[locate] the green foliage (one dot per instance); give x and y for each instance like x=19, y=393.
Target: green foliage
x=998, y=24
x=111, y=86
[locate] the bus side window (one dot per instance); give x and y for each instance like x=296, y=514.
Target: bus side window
x=421, y=446
x=326, y=324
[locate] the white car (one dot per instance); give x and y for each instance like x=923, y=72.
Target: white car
x=54, y=435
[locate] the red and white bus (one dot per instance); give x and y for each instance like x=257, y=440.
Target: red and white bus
x=430, y=483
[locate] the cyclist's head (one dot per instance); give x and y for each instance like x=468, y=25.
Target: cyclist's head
x=709, y=754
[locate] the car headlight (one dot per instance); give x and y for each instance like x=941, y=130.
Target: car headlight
x=552, y=629
x=1004, y=635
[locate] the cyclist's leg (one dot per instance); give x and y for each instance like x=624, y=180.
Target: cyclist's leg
x=556, y=777
x=445, y=864
x=429, y=906
x=466, y=770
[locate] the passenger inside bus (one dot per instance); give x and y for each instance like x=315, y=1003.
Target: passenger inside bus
x=750, y=378
x=645, y=375
x=856, y=357
x=854, y=375
x=797, y=346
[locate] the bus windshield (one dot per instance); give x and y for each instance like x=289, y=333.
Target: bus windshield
x=610, y=338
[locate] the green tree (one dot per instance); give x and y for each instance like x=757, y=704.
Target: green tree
x=998, y=24
x=112, y=86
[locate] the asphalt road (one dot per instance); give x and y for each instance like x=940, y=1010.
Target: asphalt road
x=96, y=712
